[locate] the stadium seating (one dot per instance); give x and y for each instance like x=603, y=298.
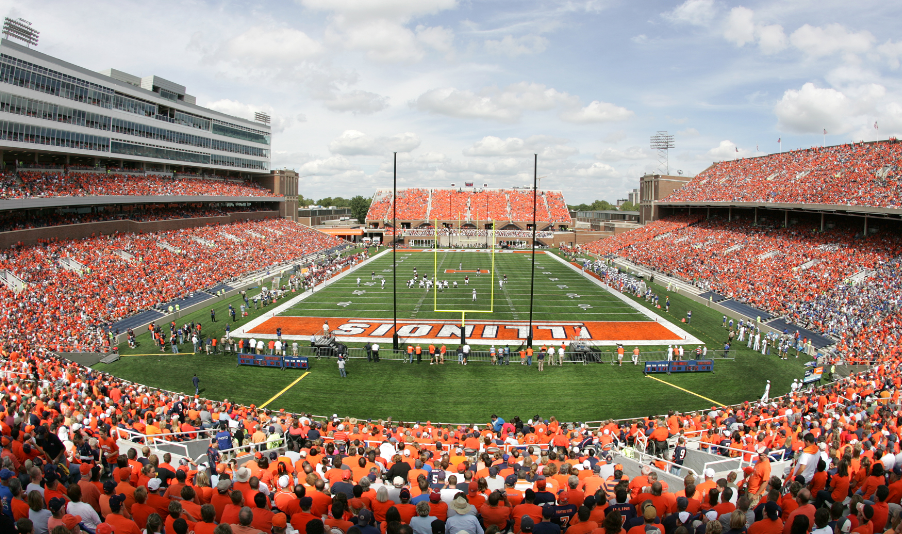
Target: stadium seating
x=12, y=220
x=852, y=174
x=79, y=303
x=796, y=272
x=470, y=205
x=55, y=184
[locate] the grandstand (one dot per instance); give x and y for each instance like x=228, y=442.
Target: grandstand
x=469, y=209
x=809, y=240
x=98, y=247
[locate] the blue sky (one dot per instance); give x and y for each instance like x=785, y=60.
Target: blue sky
x=469, y=90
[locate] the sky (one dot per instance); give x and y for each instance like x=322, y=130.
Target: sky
x=470, y=90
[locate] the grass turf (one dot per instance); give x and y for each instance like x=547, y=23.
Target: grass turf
x=458, y=394
x=559, y=291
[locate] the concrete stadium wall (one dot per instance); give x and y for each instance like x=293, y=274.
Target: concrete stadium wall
x=79, y=231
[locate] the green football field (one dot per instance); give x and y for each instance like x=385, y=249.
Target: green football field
x=560, y=294
x=466, y=394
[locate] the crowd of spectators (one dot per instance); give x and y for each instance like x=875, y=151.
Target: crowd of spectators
x=850, y=174
x=412, y=203
x=836, y=282
x=12, y=220
x=62, y=465
x=485, y=204
x=66, y=310
x=82, y=184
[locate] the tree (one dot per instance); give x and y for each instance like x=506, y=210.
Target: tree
x=338, y=202
x=303, y=201
x=598, y=205
x=360, y=205
x=629, y=206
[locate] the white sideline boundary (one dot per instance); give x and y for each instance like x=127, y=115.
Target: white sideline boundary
x=688, y=339
x=242, y=331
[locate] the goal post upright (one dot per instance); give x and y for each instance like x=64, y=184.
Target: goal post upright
x=463, y=312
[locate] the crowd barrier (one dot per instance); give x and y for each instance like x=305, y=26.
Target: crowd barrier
x=687, y=366
x=265, y=360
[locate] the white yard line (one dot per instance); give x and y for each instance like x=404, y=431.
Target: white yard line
x=688, y=339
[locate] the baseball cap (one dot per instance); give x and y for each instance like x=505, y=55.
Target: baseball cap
x=404, y=494
x=547, y=512
x=85, y=469
x=563, y=496
x=709, y=473
x=473, y=487
x=771, y=510
x=526, y=523
x=154, y=484
x=397, y=481
x=493, y=471
x=56, y=504
x=897, y=470
x=844, y=524
x=364, y=517
x=510, y=480
x=105, y=528
x=589, y=501
x=684, y=516
x=280, y=520
x=305, y=502
x=435, y=497
x=650, y=513
x=6, y=474
x=116, y=502
x=540, y=484
x=346, y=475
x=71, y=521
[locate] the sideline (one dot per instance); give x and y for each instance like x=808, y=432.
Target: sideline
x=687, y=391
x=279, y=394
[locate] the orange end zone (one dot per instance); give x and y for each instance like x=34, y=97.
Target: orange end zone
x=453, y=271
x=477, y=331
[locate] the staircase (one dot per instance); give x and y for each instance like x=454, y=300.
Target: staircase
x=429, y=206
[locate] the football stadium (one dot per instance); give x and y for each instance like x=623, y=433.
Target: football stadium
x=184, y=351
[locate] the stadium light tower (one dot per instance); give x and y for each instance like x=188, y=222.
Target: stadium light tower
x=22, y=30
x=662, y=142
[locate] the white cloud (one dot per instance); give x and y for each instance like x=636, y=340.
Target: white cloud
x=696, y=12
x=278, y=123
x=595, y=170
x=688, y=132
x=357, y=102
x=356, y=143
x=740, y=26
x=740, y=29
x=436, y=37
x=813, y=109
x=391, y=9
x=727, y=150
x=596, y=112
x=615, y=137
x=505, y=105
x=819, y=41
x=263, y=44
x=332, y=166
x=517, y=46
x=379, y=27
x=300, y=117
x=892, y=52
x=548, y=148
x=631, y=153
x=771, y=38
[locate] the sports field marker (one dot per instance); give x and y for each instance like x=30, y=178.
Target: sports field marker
x=686, y=390
x=279, y=394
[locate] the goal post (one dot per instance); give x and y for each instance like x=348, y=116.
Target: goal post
x=463, y=312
